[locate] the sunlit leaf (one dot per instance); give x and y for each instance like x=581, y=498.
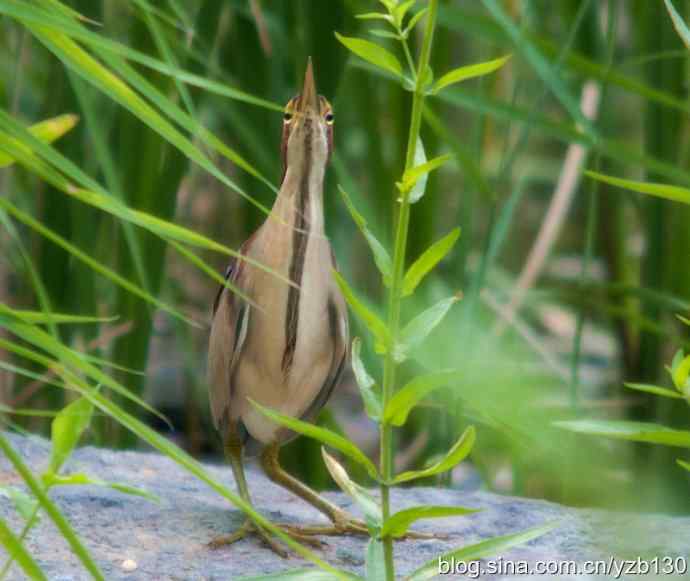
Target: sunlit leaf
x=428, y=260
x=368, y=504
x=16, y=551
x=419, y=328
x=39, y=317
x=48, y=131
x=455, y=455
x=414, y=174
x=373, y=53
x=398, y=524
x=488, y=548
x=468, y=72
x=413, y=21
x=683, y=464
x=681, y=375
x=406, y=398
x=372, y=403
x=372, y=321
x=79, y=479
x=374, y=16
x=66, y=430
x=673, y=193
x=655, y=389
x=401, y=10
x=323, y=435
x=627, y=430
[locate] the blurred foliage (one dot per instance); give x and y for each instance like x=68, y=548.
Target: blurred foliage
x=187, y=128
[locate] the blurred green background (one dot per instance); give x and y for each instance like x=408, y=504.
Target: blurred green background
x=570, y=288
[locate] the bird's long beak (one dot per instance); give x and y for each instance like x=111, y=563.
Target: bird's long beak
x=309, y=100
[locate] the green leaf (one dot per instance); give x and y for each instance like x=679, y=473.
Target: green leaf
x=398, y=524
x=375, y=565
x=383, y=34
x=47, y=131
x=373, y=53
x=488, y=548
x=468, y=72
x=374, y=16
x=368, y=504
x=52, y=510
x=372, y=403
x=40, y=317
x=673, y=193
x=16, y=551
x=418, y=329
x=681, y=375
x=626, y=430
x=428, y=260
x=405, y=399
x=455, y=455
x=414, y=174
x=683, y=320
x=67, y=429
x=683, y=464
x=401, y=10
x=678, y=23
x=81, y=479
x=413, y=22
x=23, y=503
x=381, y=256
x=655, y=389
x=372, y=321
x=322, y=435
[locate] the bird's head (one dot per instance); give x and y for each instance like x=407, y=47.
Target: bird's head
x=307, y=127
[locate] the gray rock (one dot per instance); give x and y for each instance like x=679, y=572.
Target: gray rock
x=135, y=539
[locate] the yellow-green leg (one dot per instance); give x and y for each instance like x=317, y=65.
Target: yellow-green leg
x=233, y=453
x=343, y=523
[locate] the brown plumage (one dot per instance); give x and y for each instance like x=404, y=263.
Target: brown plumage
x=287, y=348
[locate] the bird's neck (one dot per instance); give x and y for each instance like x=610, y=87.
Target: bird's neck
x=300, y=200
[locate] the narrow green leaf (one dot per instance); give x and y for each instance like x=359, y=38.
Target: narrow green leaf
x=681, y=375
x=673, y=193
x=23, y=503
x=678, y=23
x=52, y=510
x=372, y=403
x=626, y=430
x=381, y=256
x=16, y=551
x=372, y=321
x=373, y=53
x=418, y=188
x=401, y=11
x=455, y=455
x=418, y=329
x=368, y=504
x=375, y=564
x=81, y=479
x=405, y=399
x=39, y=317
x=655, y=389
x=48, y=131
x=398, y=524
x=323, y=435
x=683, y=464
x=413, y=21
x=412, y=175
x=468, y=72
x=374, y=16
x=383, y=33
x=488, y=548
x=428, y=260
x=67, y=429
x=683, y=320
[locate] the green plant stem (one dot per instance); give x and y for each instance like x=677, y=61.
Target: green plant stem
x=395, y=293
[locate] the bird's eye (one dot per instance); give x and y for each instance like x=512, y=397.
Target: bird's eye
x=287, y=117
x=329, y=118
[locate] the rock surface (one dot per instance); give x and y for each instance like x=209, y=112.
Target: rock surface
x=135, y=539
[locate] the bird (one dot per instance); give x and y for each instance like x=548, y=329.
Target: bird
x=282, y=344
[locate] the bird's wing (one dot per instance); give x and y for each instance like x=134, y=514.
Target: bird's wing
x=228, y=331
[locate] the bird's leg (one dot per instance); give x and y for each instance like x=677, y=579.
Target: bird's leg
x=343, y=523
x=233, y=452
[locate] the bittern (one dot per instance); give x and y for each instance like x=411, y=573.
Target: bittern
x=286, y=349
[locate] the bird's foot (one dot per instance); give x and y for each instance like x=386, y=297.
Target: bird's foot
x=251, y=529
